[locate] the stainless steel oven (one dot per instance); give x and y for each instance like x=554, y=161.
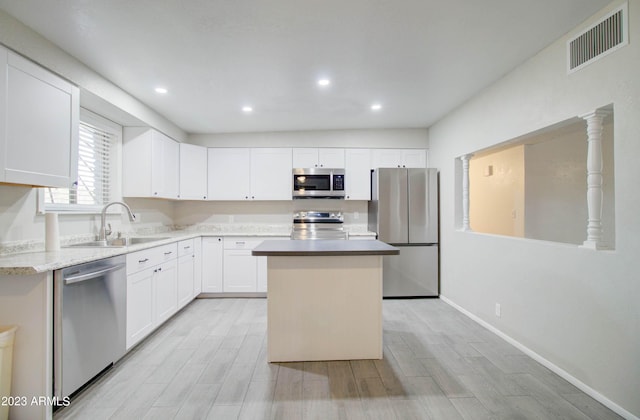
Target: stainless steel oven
x=318, y=183
x=313, y=224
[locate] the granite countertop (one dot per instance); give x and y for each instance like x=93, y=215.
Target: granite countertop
x=37, y=261
x=302, y=248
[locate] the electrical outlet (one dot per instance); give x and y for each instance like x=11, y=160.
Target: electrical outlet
x=356, y=215
x=498, y=310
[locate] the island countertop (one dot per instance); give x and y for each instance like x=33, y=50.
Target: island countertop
x=310, y=248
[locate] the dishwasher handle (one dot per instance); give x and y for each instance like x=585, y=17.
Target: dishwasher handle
x=92, y=274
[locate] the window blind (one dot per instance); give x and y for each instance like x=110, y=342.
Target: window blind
x=92, y=187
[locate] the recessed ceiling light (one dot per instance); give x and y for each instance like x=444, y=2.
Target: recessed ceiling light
x=376, y=107
x=247, y=109
x=161, y=90
x=324, y=82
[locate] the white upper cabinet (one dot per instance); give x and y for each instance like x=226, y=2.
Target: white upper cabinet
x=306, y=157
x=399, y=158
x=193, y=172
x=249, y=174
x=229, y=176
x=358, y=174
x=150, y=164
x=39, y=114
x=271, y=177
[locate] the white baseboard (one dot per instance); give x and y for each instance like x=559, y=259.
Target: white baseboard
x=554, y=368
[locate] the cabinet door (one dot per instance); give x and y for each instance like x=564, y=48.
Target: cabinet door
x=229, y=174
x=39, y=143
x=305, y=157
x=212, y=263
x=414, y=158
x=331, y=158
x=271, y=177
x=165, y=166
x=193, y=172
x=140, y=306
x=386, y=158
x=240, y=271
x=358, y=174
x=185, y=280
x=197, y=266
x=165, y=284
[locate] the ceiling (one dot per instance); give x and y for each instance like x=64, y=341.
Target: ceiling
x=418, y=59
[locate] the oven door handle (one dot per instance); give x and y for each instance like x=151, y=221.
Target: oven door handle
x=92, y=274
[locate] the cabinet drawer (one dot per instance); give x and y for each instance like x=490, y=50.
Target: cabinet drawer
x=167, y=252
x=185, y=247
x=242, y=243
x=140, y=260
x=137, y=261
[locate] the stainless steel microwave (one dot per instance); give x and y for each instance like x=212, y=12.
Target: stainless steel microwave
x=318, y=183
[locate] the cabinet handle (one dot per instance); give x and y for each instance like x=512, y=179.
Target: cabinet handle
x=143, y=261
x=252, y=197
x=240, y=243
x=168, y=253
x=187, y=247
x=160, y=269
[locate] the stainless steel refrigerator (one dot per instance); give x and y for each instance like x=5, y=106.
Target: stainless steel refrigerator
x=404, y=212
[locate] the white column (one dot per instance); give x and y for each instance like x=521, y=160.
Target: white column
x=594, y=178
x=465, y=192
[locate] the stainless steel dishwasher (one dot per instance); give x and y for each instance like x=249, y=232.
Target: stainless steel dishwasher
x=89, y=328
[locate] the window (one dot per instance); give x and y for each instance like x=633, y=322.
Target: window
x=535, y=186
x=96, y=183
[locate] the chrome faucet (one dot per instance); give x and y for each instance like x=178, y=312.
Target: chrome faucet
x=102, y=235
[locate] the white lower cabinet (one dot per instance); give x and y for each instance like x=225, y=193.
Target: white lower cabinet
x=229, y=267
x=212, y=258
x=240, y=271
x=139, y=306
x=197, y=266
x=244, y=273
x=166, y=291
x=152, y=290
x=186, y=272
x=240, y=268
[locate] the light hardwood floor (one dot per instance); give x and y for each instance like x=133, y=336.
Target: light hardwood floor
x=209, y=362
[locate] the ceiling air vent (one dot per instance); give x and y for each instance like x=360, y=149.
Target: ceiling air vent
x=602, y=38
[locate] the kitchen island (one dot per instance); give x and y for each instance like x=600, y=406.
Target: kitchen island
x=324, y=299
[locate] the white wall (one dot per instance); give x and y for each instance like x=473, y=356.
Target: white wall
x=556, y=185
x=392, y=138
x=497, y=198
x=188, y=213
x=575, y=307
x=20, y=223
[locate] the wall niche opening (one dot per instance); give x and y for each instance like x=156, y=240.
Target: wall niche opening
x=543, y=186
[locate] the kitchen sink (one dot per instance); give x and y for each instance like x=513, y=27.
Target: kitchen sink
x=115, y=243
